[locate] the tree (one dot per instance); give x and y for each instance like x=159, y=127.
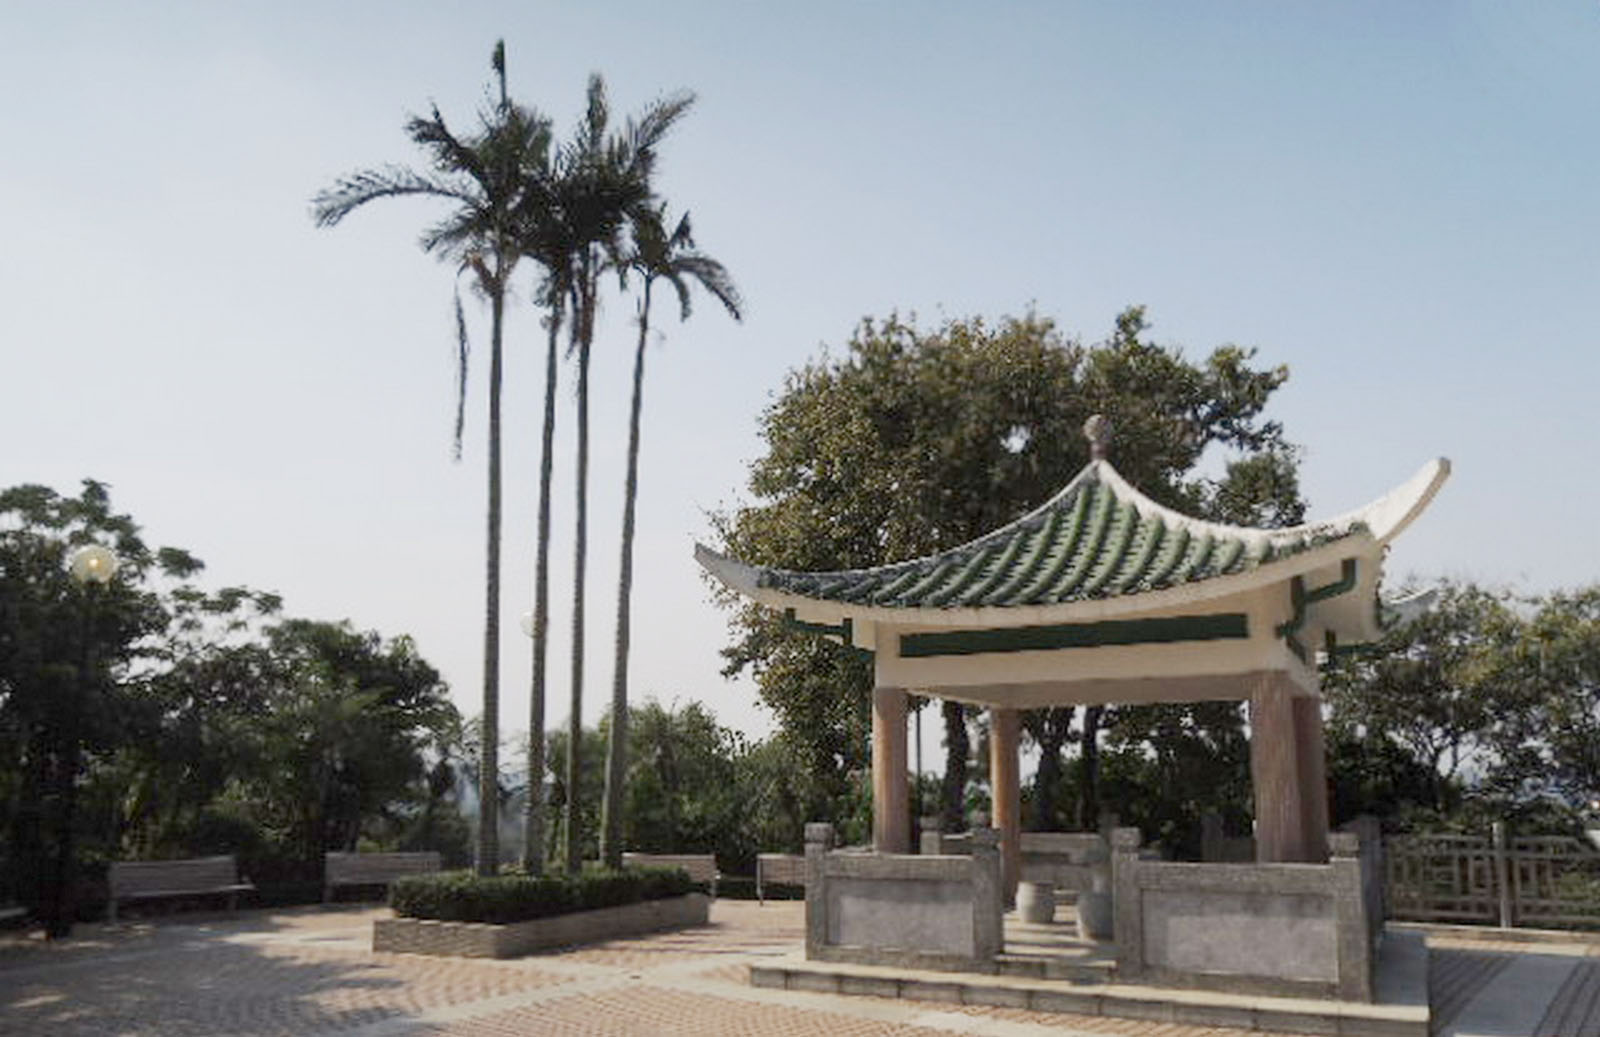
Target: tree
x=62, y=644
x=673, y=258
x=915, y=441
x=1049, y=728
x=483, y=176
x=603, y=181
x=545, y=236
x=1436, y=686
x=1555, y=750
x=347, y=734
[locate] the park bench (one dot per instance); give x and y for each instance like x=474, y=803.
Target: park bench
x=783, y=869
x=702, y=867
x=373, y=869
x=196, y=876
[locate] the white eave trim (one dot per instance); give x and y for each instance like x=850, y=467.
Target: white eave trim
x=1386, y=517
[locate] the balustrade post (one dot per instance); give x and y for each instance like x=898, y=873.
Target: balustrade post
x=1502, y=875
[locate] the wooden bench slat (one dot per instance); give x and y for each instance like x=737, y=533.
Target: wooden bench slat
x=701, y=867
x=374, y=869
x=195, y=876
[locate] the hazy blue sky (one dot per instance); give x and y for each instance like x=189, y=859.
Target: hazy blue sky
x=1398, y=200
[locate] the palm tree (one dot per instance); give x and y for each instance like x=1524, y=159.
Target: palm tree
x=656, y=255
x=603, y=181
x=546, y=240
x=483, y=176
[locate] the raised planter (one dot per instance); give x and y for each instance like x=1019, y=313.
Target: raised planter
x=483, y=940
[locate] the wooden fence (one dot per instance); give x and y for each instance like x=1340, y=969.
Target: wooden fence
x=1533, y=881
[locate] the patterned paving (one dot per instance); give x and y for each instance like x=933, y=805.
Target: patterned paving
x=310, y=973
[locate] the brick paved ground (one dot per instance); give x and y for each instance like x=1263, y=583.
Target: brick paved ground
x=311, y=972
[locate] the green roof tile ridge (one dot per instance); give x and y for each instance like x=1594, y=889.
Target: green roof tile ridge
x=1154, y=531
x=1043, y=540
x=1119, y=538
x=1177, y=546
x=1062, y=554
x=1228, y=557
x=1001, y=567
x=1200, y=550
x=963, y=577
x=934, y=576
x=1105, y=510
x=889, y=590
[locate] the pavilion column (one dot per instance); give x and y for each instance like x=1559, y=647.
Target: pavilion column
x=891, y=809
x=1275, y=774
x=1312, y=753
x=1005, y=791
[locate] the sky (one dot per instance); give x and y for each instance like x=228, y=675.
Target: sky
x=1398, y=201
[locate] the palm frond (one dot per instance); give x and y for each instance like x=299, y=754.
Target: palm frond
x=450, y=155
x=333, y=204
x=714, y=278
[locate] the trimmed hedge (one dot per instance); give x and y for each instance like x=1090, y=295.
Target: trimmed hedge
x=461, y=896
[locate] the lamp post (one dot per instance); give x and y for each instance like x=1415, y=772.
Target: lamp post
x=92, y=567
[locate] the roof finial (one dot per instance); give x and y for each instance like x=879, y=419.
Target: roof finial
x=1098, y=431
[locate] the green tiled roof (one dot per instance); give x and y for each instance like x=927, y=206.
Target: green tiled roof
x=1098, y=538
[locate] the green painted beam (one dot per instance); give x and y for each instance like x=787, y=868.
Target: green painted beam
x=1159, y=630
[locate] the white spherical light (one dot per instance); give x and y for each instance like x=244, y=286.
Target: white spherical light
x=93, y=563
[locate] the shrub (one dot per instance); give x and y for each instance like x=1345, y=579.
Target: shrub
x=461, y=896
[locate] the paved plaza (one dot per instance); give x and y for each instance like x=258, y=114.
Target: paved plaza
x=310, y=971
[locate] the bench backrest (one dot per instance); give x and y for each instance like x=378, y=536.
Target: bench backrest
x=782, y=868
x=702, y=867
x=361, y=869
x=197, y=874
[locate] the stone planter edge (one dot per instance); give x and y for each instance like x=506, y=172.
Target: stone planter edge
x=485, y=940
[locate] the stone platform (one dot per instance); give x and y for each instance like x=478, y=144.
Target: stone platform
x=1047, y=969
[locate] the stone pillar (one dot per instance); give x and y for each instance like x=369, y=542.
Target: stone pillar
x=1005, y=792
x=1127, y=904
x=1311, y=753
x=819, y=840
x=1354, y=929
x=1275, y=774
x=988, y=902
x=891, y=807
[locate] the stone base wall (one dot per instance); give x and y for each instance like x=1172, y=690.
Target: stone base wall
x=483, y=940
x=915, y=911
x=1292, y=929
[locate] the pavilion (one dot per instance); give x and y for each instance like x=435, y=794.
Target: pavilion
x=1102, y=595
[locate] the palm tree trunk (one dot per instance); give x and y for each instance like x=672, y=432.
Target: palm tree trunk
x=617, y=748
x=533, y=808
x=573, y=833
x=489, y=736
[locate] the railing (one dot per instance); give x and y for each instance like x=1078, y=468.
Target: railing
x=1494, y=880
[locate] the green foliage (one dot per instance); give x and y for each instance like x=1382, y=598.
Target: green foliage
x=180, y=721
x=1436, y=687
x=461, y=896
